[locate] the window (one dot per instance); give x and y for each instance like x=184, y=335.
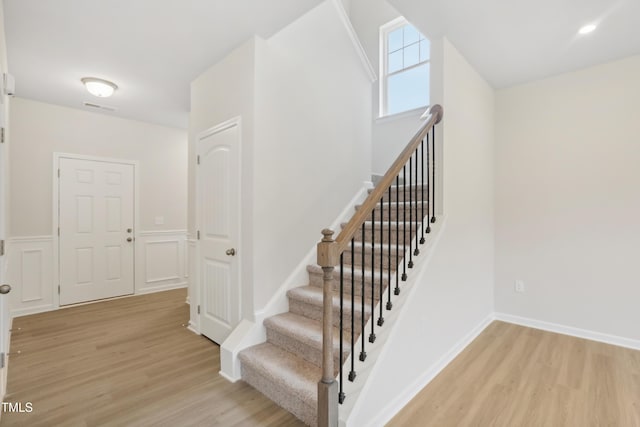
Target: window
x=404, y=67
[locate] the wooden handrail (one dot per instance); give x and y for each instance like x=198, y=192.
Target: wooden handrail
x=347, y=233
x=329, y=250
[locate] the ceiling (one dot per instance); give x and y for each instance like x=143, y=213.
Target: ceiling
x=152, y=49
x=515, y=41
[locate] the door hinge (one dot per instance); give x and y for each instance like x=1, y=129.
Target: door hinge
x=198, y=160
x=1, y=247
x=58, y=289
x=1, y=135
x=2, y=360
x=58, y=231
x=58, y=173
x=198, y=234
x=198, y=309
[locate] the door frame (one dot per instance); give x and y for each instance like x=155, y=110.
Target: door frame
x=55, y=200
x=235, y=121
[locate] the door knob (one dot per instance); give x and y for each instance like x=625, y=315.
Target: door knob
x=231, y=252
x=129, y=239
x=129, y=230
x=5, y=289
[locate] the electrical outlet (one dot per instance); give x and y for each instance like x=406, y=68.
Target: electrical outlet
x=519, y=286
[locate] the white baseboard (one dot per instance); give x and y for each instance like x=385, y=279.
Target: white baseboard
x=19, y=312
x=393, y=407
x=193, y=329
x=154, y=289
x=569, y=330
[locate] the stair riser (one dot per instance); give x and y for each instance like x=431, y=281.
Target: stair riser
x=315, y=312
x=304, y=410
x=401, y=238
x=316, y=280
x=357, y=261
x=405, y=196
x=398, y=214
x=308, y=353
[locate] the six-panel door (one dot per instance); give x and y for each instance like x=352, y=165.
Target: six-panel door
x=96, y=230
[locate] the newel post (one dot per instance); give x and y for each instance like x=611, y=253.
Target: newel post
x=328, y=258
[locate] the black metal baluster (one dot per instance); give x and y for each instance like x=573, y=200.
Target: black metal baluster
x=389, y=305
x=416, y=252
x=422, y=200
x=433, y=171
x=341, y=393
x=372, y=336
x=428, y=230
x=352, y=374
x=396, y=291
x=381, y=290
x=410, y=265
x=363, y=354
x=404, y=220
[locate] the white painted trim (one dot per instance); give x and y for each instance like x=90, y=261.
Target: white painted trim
x=355, y=40
x=161, y=288
x=55, y=201
x=228, y=378
x=32, y=310
x=418, y=113
x=569, y=330
x=148, y=233
x=393, y=407
x=30, y=239
x=248, y=333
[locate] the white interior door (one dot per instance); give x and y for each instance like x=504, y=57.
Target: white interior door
x=5, y=322
x=96, y=217
x=218, y=204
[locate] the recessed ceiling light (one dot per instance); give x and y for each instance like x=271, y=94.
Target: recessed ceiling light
x=587, y=29
x=99, y=87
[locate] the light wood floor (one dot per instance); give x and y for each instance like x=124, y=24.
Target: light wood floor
x=513, y=376
x=126, y=362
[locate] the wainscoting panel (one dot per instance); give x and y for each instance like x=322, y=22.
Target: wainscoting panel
x=30, y=273
x=161, y=260
x=160, y=264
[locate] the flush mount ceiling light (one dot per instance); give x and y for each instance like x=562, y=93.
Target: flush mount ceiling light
x=99, y=87
x=587, y=29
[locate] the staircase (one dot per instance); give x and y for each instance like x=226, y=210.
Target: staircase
x=287, y=368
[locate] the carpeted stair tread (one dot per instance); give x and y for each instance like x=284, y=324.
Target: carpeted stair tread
x=367, y=246
x=303, y=336
x=316, y=272
x=312, y=295
x=368, y=225
x=307, y=301
x=285, y=378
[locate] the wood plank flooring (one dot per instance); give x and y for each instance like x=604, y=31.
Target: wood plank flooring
x=514, y=376
x=126, y=362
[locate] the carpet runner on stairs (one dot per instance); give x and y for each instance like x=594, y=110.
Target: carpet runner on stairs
x=287, y=367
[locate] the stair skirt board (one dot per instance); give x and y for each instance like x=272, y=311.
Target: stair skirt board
x=287, y=367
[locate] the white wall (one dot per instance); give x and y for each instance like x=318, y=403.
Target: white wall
x=38, y=130
x=389, y=134
x=568, y=200
x=313, y=133
x=455, y=293
x=304, y=102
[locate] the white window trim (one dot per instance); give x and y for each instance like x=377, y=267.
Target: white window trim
x=383, y=64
